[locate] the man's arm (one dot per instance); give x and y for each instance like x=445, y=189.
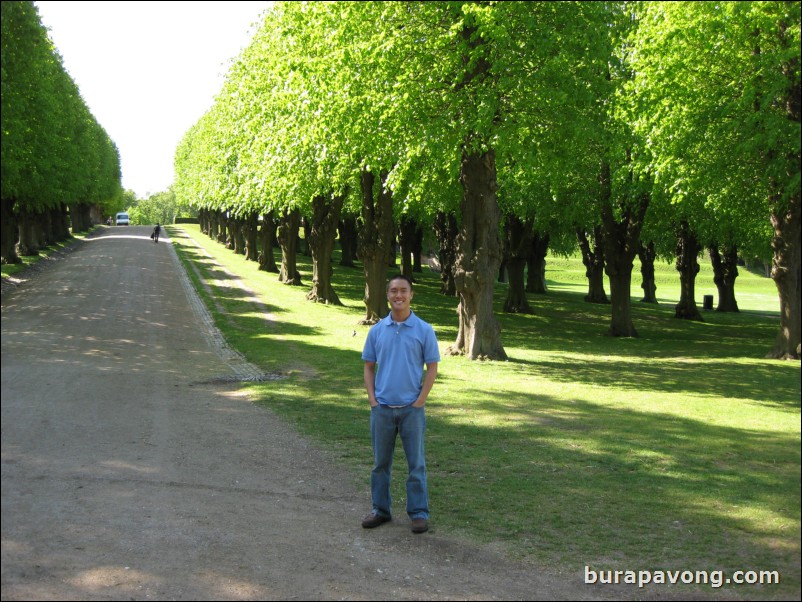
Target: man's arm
x=370, y=382
x=428, y=383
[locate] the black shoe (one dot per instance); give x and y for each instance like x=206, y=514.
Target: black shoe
x=420, y=525
x=373, y=520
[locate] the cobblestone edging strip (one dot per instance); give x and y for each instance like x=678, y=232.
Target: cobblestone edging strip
x=242, y=368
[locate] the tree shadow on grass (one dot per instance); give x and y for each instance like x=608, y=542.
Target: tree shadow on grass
x=633, y=488
x=710, y=378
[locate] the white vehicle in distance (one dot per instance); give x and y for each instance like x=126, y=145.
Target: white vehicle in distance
x=122, y=219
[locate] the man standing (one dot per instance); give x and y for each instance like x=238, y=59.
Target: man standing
x=395, y=351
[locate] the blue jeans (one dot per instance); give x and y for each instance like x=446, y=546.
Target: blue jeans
x=385, y=424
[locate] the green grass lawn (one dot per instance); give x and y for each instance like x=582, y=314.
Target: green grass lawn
x=676, y=450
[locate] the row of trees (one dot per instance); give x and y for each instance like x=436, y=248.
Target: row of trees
x=58, y=163
x=633, y=128
x=156, y=208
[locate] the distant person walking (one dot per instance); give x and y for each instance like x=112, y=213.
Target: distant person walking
x=156, y=231
x=395, y=351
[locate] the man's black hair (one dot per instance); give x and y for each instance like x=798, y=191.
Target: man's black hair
x=400, y=277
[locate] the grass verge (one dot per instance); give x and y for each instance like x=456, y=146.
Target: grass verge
x=676, y=450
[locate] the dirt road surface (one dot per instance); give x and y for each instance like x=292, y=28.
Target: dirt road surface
x=129, y=472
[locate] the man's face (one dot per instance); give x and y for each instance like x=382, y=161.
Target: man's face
x=399, y=295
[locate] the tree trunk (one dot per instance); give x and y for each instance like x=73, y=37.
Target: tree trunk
x=50, y=225
x=725, y=271
x=478, y=258
x=9, y=227
x=76, y=223
x=347, y=229
x=222, y=228
x=594, y=265
x=502, y=270
x=61, y=228
x=237, y=227
x=406, y=239
x=417, y=250
x=375, y=239
x=81, y=221
x=214, y=225
x=250, y=229
x=58, y=223
x=786, y=274
x=48, y=236
x=267, y=238
x=303, y=245
x=647, y=257
x=28, y=233
x=74, y=217
x=786, y=213
x=321, y=239
x=536, y=265
x=95, y=215
x=621, y=237
x=40, y=225
x=518, y=237
x=392, y=261
x=289, y=223
x=688, y=249
x=446, y=230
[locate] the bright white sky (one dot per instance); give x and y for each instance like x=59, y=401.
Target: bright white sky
x=149, y=70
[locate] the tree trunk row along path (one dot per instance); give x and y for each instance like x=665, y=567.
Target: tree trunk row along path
x=135, y=468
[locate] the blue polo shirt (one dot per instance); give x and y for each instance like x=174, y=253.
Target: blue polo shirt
x=400, y=350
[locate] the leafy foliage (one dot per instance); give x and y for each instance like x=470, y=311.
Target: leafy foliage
x=711, y=87
x=54, y=151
